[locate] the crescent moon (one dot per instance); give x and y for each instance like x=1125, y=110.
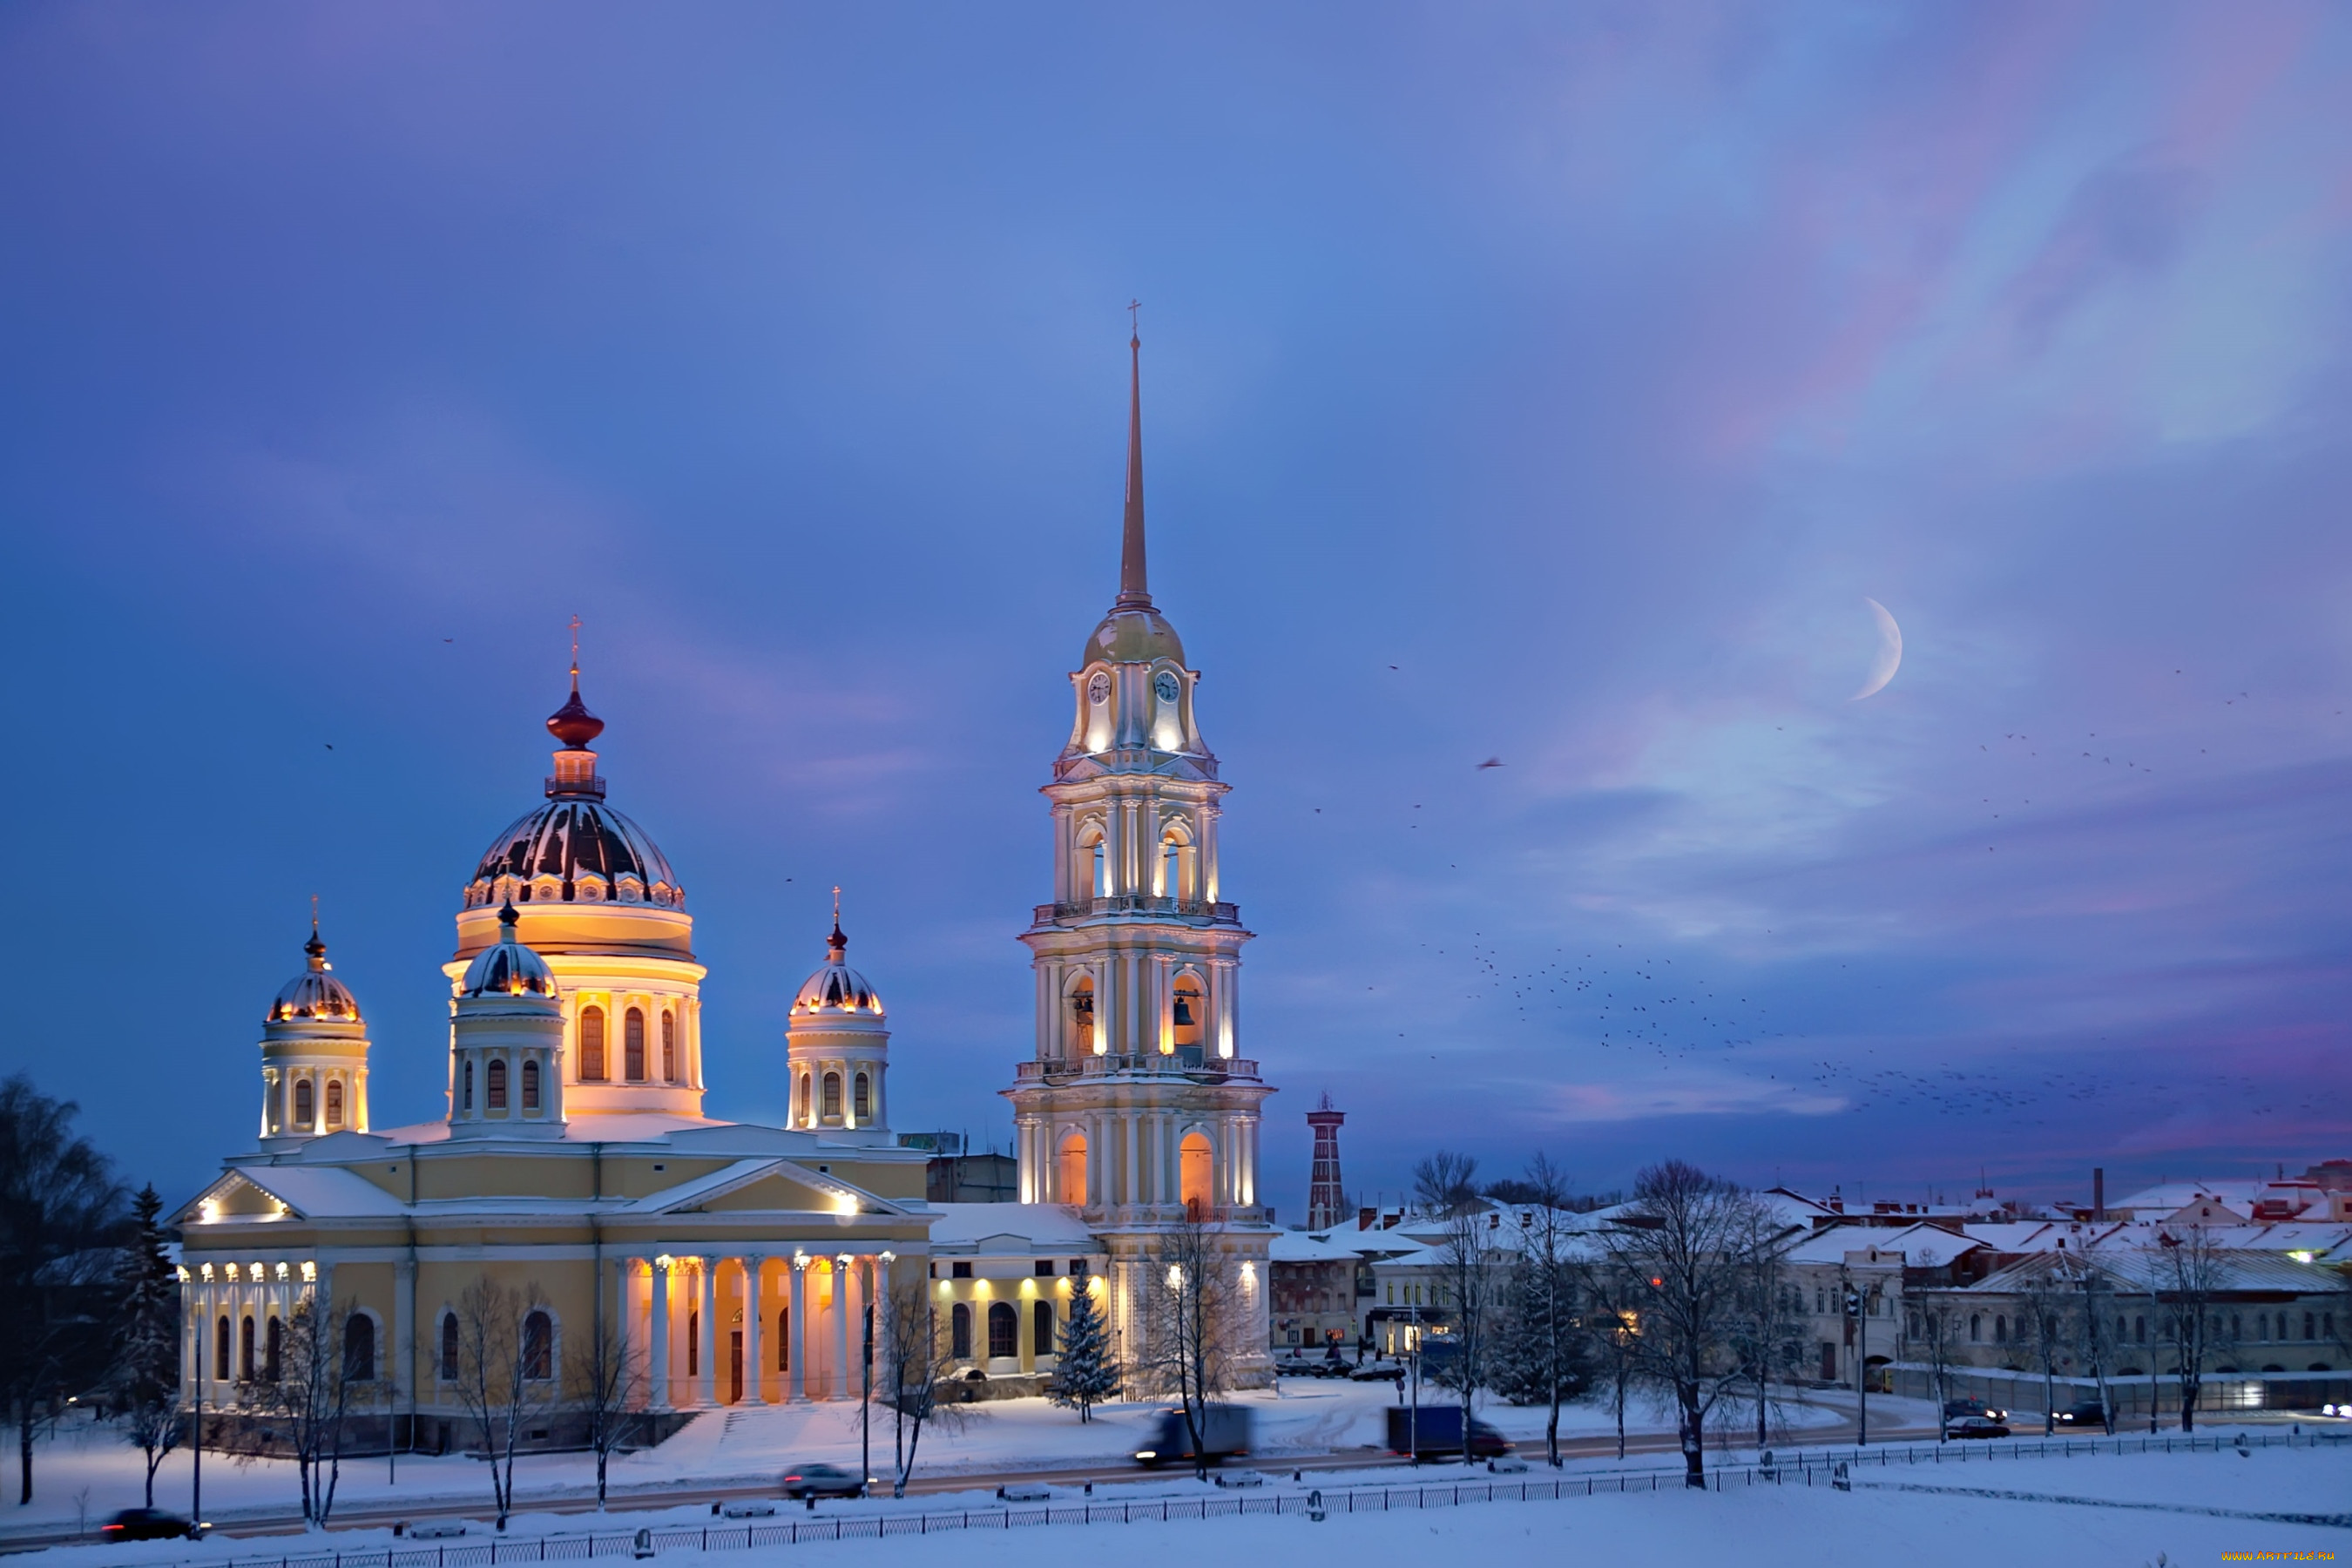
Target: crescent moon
x=1890, y=653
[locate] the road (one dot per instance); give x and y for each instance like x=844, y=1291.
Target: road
x=377, y=1515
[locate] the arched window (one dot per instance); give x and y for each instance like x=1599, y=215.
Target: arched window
x=1198, y=1194
x=832, y=1097
x=1082, y=1017
x=1976, y=1328
x=591, y=1045
x=1073, y=1157
x=1041, y=1327
x=669, y=1046
x=633, y=1044
x=450, y=1345
x=784, y=1339
x=537, y=1346
x=273, y=1356
x=2001, y=1330
x=244, y=1367
x=862, y=1097
x=1190, y=1011
x=494, y=1095
x=802, y=1115
x=359, y=1348
x=467, y=1102
x=334, y=1103
x=302, y=1102
x=2139, y=1330
x=1004, y=1330
x=220, y=1351
x=1179, y=866
x=530, y=1086
x=960, y=1332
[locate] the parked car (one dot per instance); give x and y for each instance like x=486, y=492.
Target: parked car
x=1228, y=1430
x=1974, y=1426
x=1377, y=1371
x=1436, y=1429
x=822, y=1480
x=2082, y=1413
x=146, y=1525
x=1956, y=1408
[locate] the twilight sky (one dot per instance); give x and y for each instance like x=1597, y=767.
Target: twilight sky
x=1548, y=383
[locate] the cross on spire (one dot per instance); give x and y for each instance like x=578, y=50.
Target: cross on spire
x=575, y=655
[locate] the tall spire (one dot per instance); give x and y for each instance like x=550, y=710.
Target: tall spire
x=1134, y=593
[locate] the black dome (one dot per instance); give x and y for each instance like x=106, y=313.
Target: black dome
x=572, y=838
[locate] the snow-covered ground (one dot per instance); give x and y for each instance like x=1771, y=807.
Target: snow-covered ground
x=87, y=1473
x=2126, y=1509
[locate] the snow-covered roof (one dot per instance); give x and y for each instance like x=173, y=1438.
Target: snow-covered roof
x=2170, y=1196
x=311, y=1191
x=2140, y=1270
x=1916, y=1246
x=1013, y=1227
x=1300, y=1247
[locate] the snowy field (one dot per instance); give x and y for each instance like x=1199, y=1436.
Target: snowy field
x=87, y=1473
x=2128, y=1509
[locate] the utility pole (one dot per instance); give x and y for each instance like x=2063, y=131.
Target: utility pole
x=865, y=1414
x=196, y=1454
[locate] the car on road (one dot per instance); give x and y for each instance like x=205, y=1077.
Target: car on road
x=146, y=1525
x=1956, y=1408
x=1974, y=1426
x=822, y=1480
x=1379, y=1371
x=2083, y=1414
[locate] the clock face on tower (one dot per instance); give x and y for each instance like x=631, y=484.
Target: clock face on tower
x=1165, y=685
x=1098, y=689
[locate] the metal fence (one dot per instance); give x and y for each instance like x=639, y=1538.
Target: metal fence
x=1819, y=1467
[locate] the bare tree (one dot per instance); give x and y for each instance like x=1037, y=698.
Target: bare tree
x=316, y=1377
x=606, y=1379
x=1445, y=1183
x=2041, y=1322
x=917, y=1376
x=1468, y=1282
x=2190, y=1269
x=1677, y=1263
x=1768, y=1310
x=1188, y=1316
x=2093, y=1337
x=1939, y=1333
x=1542, y=1356
x=504, y=1380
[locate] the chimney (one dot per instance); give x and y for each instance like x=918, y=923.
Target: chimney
x=1364, y=1219
x=2099, y=1192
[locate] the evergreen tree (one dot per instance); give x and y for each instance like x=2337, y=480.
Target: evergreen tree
x=1084, y=1376
x=1539, y=1354
x=147, y=1330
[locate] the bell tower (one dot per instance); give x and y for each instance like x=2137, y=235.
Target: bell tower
x=1139, y=1106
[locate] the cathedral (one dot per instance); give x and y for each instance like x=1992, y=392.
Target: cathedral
x=574, y=1159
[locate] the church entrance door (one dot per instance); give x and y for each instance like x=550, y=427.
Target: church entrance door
x=735, y=1366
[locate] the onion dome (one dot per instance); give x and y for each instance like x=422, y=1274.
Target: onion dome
x=1133, y=636
x=836, y=986
x=508, y=968
x=315, y=994
x=574, y=849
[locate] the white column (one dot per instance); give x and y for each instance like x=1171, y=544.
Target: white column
x=657, y=1364
x=755, y=1309
x=842, y=1385
x=706, y=1386
x=799, y=1390
x=624, y=1270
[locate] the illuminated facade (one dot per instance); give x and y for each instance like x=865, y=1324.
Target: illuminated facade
x=730, y=1262
x=1137, y=1107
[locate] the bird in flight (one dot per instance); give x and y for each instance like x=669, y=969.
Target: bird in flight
x=1491, y=762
